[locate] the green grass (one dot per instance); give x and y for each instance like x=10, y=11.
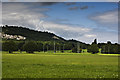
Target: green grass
x=59, y=65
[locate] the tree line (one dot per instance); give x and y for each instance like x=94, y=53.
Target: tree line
x=75, y=47
x=31, y=46
x=104, y=48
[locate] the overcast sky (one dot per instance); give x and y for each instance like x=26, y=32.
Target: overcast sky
x=83, y=21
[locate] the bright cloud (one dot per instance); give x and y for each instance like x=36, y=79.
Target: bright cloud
x=21, y=15
x=90, y=35
x=108, y=19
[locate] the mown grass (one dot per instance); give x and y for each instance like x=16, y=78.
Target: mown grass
x=59, y=65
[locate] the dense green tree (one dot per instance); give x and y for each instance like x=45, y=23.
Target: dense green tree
x=39, y=46
x=30, y=46
x=100, y=45
x=20, y=46
x=93, y=48
x=110, y=48
x=9, y=46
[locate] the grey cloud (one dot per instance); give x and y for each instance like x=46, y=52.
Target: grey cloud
x=70, y=3
x=84, y=7
x=81, y=7
x=73, y=8
x=46, y=3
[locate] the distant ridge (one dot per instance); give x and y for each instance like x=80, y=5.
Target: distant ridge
x=30, y=34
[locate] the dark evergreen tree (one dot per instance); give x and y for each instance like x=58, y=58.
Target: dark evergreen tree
x=95, y=41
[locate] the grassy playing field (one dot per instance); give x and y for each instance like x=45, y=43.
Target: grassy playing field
x=59, y=65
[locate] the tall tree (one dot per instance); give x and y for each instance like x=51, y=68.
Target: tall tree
x=95, y=41
x=93, y=48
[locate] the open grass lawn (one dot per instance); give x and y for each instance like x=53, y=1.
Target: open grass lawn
x=59, y=65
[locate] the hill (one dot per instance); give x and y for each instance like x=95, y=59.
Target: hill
x=30, y=34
